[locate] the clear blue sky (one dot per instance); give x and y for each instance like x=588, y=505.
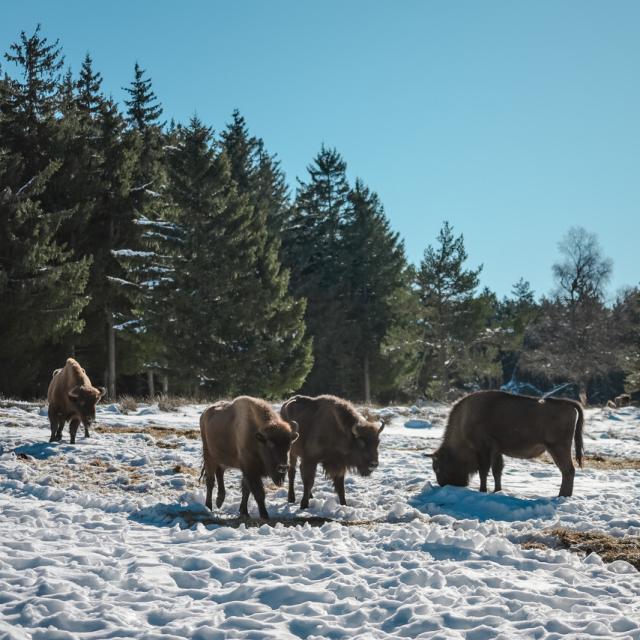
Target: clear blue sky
x=513, y=120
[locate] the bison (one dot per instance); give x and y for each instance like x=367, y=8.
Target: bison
x=333, y=434
x=623, y=400
x=485, y=425
x=71, y=396
x=245, y=434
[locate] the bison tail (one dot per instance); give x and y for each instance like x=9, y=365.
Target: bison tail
x=578, y=435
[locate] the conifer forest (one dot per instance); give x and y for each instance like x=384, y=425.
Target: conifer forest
x=176, y=257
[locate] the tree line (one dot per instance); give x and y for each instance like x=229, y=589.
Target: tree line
x=172, y=257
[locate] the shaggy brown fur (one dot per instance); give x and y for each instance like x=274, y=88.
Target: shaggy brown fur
x=485, y=425
x=623, y=400
x=245, y=434
x=71, y=396
x=334, y=434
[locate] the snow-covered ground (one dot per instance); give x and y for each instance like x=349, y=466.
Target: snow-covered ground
x=110, y=539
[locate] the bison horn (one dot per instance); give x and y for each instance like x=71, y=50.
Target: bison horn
x=75, y=392
x=294, y=425
x=103, y=392
x=354, y=430
x=429, y=455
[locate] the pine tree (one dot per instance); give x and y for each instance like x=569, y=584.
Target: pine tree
x=41, y=286
x=314, y=251
x=375, y=270
x=143, y=109
x=256, y=173
x=514, y=316
x=149, y=203
x=29, y=106
x=454, y=320
x=41, y=282
x=236, y=328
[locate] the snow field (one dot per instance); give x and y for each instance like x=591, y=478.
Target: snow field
x=109, y=539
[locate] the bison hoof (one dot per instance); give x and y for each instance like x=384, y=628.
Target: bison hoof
x=291, y=497
x=219, y=500
x=304, y=504
x=209, y=505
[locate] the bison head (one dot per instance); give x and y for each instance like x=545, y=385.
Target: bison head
x=84, y=400
x=449, y=469
x=364, y=452
x=275, y=443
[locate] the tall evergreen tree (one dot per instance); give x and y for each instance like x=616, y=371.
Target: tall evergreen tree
x=454, y=320
x=236, y=327
x=256, y=173
x=514, y=316
x=375, y=270
x=148, y=202
x=143, y=108
x=314, y=251
x=41, y=282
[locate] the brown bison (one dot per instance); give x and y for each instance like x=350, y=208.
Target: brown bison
x=71, y=396
x=333, y=434
x=485, y=425
x=245, y=434
x=623, y=400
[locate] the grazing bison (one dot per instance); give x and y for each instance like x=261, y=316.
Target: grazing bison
x=71, y=396
x=334, y=434
x=485, y=425
x=623, y=400
x=245, y=434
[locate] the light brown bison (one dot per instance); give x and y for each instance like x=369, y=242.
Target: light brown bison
x=485, y=425
x=334, y=434
x=71, y=396
x=245, y=434
x=623, y=400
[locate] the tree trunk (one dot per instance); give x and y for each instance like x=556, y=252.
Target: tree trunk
x=367, y=381
x=150, y=385
x=165, y=384
x=111, y=356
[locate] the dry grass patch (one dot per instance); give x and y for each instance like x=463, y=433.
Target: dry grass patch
x=155, y=432
x=609, y=548
x=181, y=468
x=597, y=461
x=127, y=404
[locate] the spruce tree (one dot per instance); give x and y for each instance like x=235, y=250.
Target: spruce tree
x=42, y=283
x=236, y=328
x=375, y=270
x=314, y=251
x=148, y=202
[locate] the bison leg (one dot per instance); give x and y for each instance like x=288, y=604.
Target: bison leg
x=210, y=480
x=484, y=462
x=561, y=455
x=54, y=423
x=221, y=490
x=497, y=465
x=244, y=511
x=338, y=485
x=73, y=429
x=254, y=486
x=293, y=461
x=308, y=473
x=86, y=431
